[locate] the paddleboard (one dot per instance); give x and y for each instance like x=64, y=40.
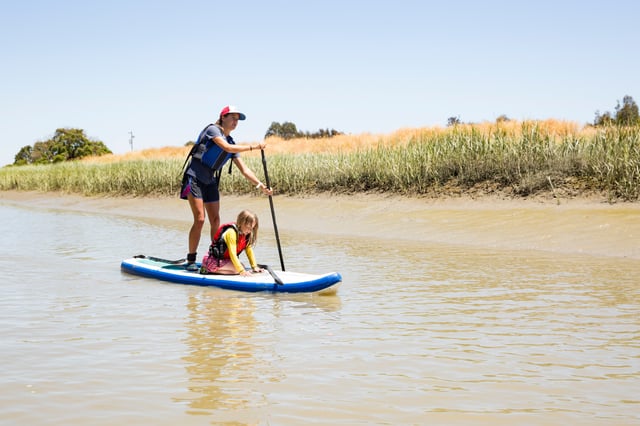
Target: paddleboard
x=268, y=280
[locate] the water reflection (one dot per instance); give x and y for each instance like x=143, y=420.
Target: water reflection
x=223, y=333
x=220, y=332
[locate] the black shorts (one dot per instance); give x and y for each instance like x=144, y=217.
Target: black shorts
x=208, y=193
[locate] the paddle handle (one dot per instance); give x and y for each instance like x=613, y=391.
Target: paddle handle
x=273, y=213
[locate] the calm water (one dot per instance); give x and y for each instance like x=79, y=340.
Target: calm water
x=417, y=334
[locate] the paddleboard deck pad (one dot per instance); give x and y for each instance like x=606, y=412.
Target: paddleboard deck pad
x=268, y=280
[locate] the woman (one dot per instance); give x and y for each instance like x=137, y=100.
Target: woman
x=230, y=240
x=201, y=180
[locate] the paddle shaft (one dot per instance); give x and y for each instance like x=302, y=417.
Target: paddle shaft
x=158, y=259
x=273, y=213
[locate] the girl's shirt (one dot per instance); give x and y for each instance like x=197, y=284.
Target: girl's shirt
x=232, y=248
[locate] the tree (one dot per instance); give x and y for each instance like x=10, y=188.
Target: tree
x=626, y=114
x=66, y=144
x=604, y=119
x=41, y=153
x=453, y=121
x=286, y=130
x=274, y=130
x=321, y=133
x=23, y=156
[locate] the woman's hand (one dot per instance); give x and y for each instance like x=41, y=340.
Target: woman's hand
x=265, y=190
x=260, y=146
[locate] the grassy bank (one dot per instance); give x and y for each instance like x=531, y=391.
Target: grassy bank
x=516, y=159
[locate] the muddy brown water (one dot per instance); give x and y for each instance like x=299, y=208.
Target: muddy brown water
x=450, y=312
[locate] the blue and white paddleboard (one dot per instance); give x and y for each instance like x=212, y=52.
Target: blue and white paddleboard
x=269, y=280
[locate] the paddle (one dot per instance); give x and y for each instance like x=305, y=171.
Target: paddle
x=276, y=278
x=157, y=259
x=273, y=213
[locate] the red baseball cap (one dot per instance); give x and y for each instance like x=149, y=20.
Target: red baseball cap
x=229, y=109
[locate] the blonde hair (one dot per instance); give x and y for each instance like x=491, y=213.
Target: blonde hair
x=246, y=217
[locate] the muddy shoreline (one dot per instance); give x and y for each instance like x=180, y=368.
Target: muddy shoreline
x=587, y=226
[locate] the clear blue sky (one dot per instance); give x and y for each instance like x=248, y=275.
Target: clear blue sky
x=164, y=69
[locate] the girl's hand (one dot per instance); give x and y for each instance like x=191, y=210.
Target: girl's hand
x=257, y=270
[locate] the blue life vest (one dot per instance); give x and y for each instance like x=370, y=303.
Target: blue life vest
x=213, y=156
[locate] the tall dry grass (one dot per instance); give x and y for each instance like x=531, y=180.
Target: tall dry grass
x=349, y=143
x=517, y=158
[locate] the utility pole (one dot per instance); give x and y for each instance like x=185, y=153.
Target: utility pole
x=131, y=139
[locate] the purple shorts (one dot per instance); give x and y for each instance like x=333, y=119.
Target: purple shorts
x=208, y=193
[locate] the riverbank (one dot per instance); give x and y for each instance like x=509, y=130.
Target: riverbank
x=584, y=226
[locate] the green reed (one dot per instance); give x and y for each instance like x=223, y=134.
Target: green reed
x=615, y=164
x=452, y=161
x=135, y=178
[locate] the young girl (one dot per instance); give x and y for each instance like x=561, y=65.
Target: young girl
x=230, y=240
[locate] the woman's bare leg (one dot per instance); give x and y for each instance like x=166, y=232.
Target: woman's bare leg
x=197, y=209
x=213, y=211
